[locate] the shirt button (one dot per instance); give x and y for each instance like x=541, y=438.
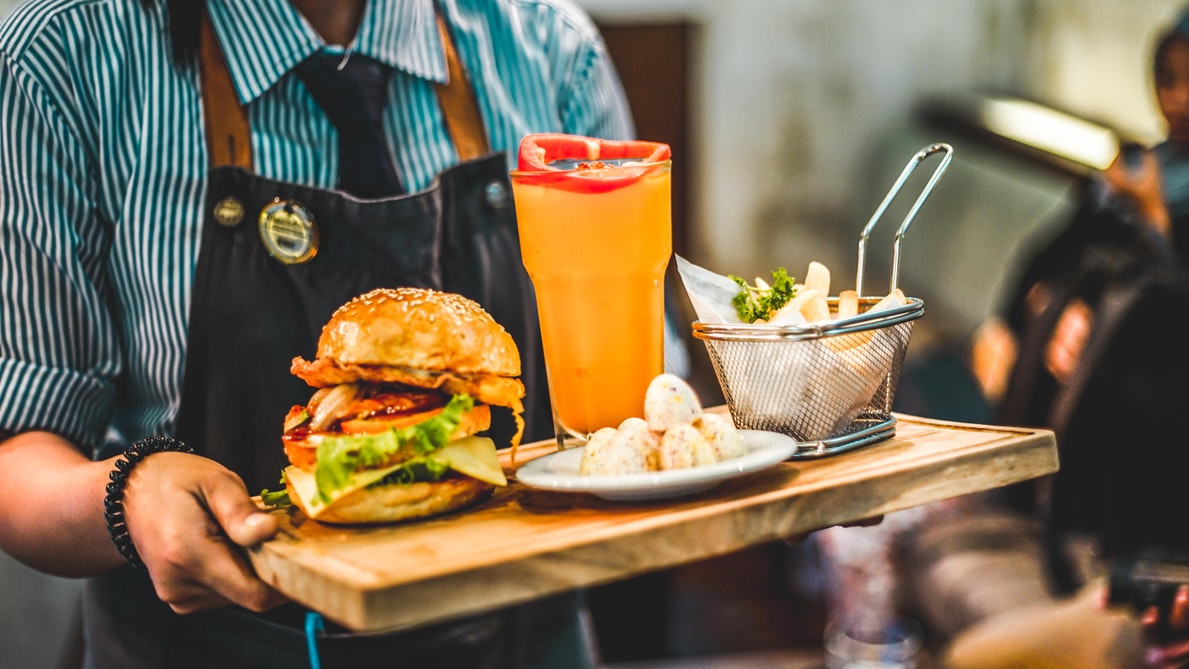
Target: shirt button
x=229, y=212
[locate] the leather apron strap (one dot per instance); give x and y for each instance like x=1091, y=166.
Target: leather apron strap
x=457, y=99
x=228, y=132
x=228, y=137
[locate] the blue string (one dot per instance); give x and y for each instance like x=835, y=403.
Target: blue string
x=314, y=625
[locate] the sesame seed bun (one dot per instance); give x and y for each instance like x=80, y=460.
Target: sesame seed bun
x=419, y=329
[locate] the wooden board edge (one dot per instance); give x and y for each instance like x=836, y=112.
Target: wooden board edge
x=496, y=586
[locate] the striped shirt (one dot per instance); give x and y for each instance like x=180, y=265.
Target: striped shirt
x=104, y=169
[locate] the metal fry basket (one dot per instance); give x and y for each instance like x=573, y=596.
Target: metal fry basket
x=827, y=384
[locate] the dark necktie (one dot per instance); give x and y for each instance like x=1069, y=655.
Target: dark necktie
x=353, y=94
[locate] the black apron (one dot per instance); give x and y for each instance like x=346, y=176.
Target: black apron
x=251, y=314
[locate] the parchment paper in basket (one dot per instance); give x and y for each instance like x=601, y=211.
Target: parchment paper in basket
x=709, y=293
x=817, y=394
x=820, y=387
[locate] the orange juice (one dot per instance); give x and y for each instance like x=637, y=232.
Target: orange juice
x=596, y=242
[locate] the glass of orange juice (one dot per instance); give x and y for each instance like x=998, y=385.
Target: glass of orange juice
x=595, y=227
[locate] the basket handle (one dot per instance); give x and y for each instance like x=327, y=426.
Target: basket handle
x=912, y=164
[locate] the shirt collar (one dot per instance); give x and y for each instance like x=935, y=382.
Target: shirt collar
x=263, y=40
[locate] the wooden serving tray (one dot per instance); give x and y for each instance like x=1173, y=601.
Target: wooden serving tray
x=525, y=543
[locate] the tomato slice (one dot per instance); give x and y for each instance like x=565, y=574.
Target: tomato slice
x=375, y=424
x=590, y=173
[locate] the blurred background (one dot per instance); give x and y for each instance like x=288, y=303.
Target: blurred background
x=790, y=120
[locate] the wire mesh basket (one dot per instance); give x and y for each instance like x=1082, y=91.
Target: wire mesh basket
x=830, y=384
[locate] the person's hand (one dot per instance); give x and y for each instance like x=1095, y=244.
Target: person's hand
x=1143, y=186
x=1166, y=640
x=189, y=517
x=993, y=351
x=1164, y=653
x=1069, y=338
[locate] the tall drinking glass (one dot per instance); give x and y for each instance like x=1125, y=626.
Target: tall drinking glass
x=595, y=233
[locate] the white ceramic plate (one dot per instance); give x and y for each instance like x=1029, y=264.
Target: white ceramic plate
x=559, y=471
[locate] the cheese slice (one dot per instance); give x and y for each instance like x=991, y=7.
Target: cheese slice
x=472, y=456
x=475, y=457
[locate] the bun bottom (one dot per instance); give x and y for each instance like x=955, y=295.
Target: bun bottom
x=400, y=502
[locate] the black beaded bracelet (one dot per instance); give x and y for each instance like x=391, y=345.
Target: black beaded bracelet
x=113, y=503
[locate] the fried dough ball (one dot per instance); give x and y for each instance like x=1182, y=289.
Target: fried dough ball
x=670, y=401
x=674, y=434
x=720, y=432
x=636, y=434
x=629, y=449
x=684, y=446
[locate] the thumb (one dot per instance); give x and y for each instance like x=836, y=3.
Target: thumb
x=243, y=522
x=253, y=528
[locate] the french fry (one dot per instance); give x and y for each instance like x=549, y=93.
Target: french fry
x=848, y=304
x=817, y=277
x=790, y=313
x=845, y=343
x=892, y=299
x=816, y=309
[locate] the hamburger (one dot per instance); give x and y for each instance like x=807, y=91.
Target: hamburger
x=405, y=380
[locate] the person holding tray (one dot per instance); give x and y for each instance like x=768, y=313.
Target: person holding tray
x=163, y=161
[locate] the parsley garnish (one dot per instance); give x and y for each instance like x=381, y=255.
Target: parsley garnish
x=754, y=303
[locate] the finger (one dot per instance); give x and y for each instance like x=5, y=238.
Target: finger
x=1177, y=651
x=235, y=512
x=1167, y=657
x=227, y=572
x=206, y=570
x=1178, y=615
x=1150, y=617
x=255, y=528
x=201, y=599
x=184, y=594
x=206, y=600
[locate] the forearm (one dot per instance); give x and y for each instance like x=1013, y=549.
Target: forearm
x=51, y=506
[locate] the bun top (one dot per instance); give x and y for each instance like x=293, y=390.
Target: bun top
x=420, y=329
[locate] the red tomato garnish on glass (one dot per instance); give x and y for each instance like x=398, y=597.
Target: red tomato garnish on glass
x=589, y=165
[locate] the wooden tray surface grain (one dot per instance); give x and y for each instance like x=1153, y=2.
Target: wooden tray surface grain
x=525, y=543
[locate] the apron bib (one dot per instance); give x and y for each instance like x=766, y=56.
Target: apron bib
x=251, y=314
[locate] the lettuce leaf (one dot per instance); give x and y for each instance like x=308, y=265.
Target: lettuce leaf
x=275, y=500
x=426, y=468
x=337, y=457
x=278, y=499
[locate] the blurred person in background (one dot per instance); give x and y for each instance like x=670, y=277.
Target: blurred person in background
x=1088, y=347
